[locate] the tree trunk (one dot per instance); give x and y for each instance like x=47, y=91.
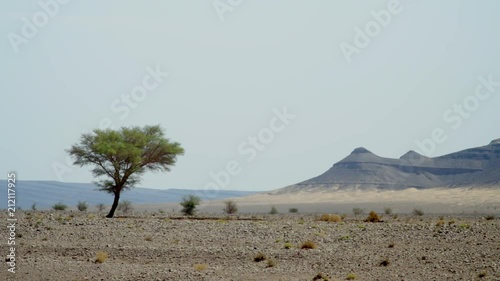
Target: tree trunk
x=114, y=206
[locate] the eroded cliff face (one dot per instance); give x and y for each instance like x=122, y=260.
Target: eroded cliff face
x=364, y=170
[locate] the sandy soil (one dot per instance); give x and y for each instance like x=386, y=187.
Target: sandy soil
x=154, y=246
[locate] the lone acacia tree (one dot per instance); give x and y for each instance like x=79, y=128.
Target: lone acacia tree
x=123, y=156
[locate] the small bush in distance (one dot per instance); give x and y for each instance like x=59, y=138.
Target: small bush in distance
x=373, y=217
x=33, y=207
x=357, y=211
x=125, y=207
x=100, y=207
x=308, y=245
x=82, y=206
x=490, y=217
x=273, y=211
x=200, y=266
x=101, y=257
x=271, y=263
x=418, y=212
x=388, y=211
x=293, y=210
x=351, y=276
x=320, y=276
x=59, y=207
x=230, y=207
x=189, y=204
x=259, y=257
x=385, y=262
x=330, y=218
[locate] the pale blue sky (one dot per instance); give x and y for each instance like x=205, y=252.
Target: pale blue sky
x=226, y=77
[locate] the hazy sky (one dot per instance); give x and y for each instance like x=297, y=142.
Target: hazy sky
x=345, y=80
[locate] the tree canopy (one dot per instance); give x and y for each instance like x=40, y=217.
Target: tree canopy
x=121, y=157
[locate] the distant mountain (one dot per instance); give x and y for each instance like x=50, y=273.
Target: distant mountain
x=364, y=170
x=47, y=193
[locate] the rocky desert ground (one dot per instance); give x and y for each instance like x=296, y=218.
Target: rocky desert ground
x=145, y=245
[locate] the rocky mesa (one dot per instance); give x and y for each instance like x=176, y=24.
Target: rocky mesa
x=362, y=169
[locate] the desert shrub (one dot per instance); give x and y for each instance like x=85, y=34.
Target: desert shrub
x=418, y=212
x=59, y=207
x=385, y=262
x=189, y=204
x=388, y=211
x=161, y=211
x=273, y=211
x=100, y=207
x=308, y=245
x=391, y=245
x=288, y=246
x=125, y=206
x=490, y=217
x=148, y=238
x=271, y=263
x=482, y=275
x=373, y=217
x=357, y=211
x=33, y=207
x=230, y=207
x=321, y=276
x=259, y=257
x=293, y=210
x=101, y=257
x=440, y=223
x=464, y=226
x=82, y=206
x=351, y=276
x=330, y=218
x=200, y=266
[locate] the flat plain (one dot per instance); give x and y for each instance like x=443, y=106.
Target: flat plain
x=153, y=245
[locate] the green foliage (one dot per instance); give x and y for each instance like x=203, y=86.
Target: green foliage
x=59, y=206
x=293, y=210
x=388, y=211
x=230, y=207
x=189, y=204
x=120, y=157
x=351, y=276
x=273, y=211
x=82, y=206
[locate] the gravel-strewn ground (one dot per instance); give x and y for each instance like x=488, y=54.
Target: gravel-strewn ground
x=63, y=246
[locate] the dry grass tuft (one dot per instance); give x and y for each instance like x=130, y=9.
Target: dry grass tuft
x=308, y=245
x=200, y=266
x=321, y=276
x=373, y=217
x=101, y=257
x=259, y=257
x=330, y=218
